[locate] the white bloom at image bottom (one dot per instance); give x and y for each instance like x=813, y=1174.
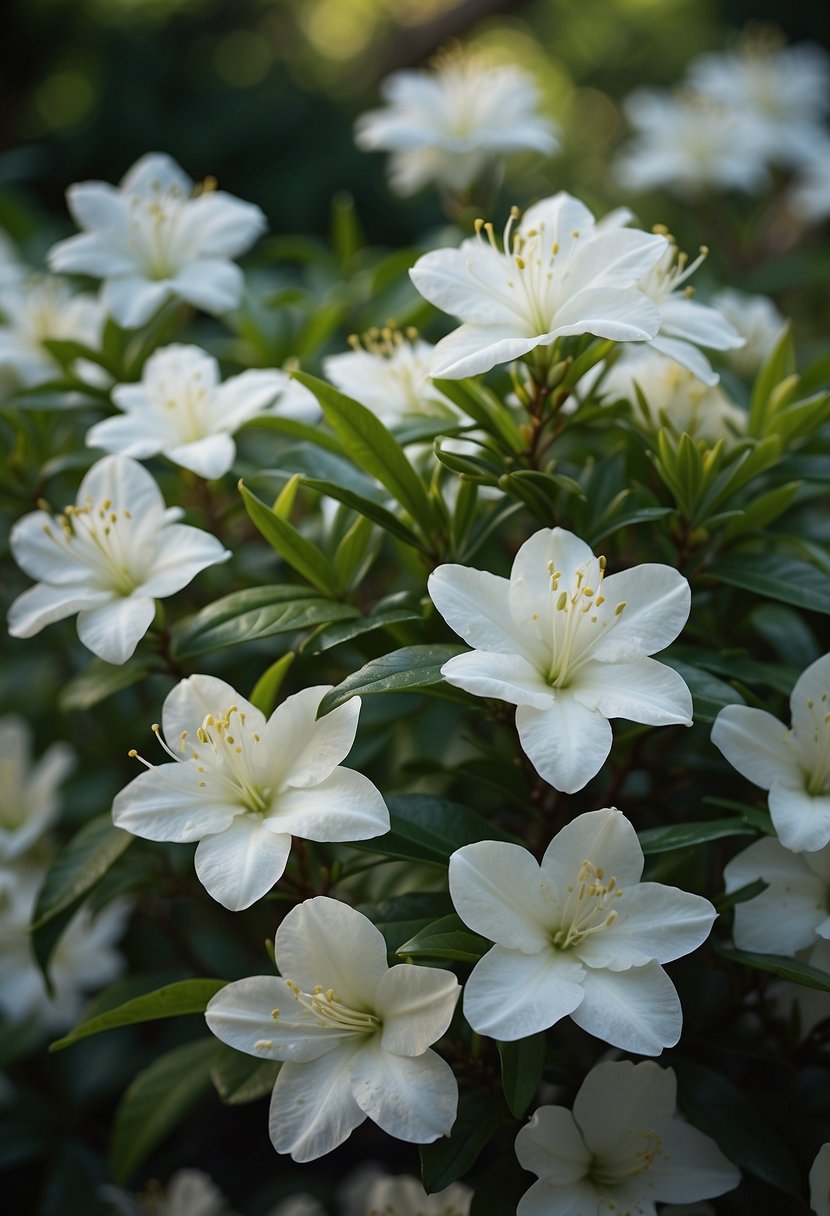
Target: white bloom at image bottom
x=354, y=1034
x=243, y=786
x=794, y=764
x=578, y=935
x=621, y=1150
x=569, y=647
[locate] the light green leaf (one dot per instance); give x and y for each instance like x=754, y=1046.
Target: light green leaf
x=367, y=507
x=171, y=1001
x=291, y=545
x=267, y=688
x=406, y=670
x=81, y=864
x=256, y=612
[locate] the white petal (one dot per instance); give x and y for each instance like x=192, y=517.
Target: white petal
x=113, y=630
x=412, y=1099
x=188, y=704
x=211, y=284
x=183, y=552
x=641, y=690
x=90, y=253
x=312, y=1107
x=566, y=743
x=304, y=750
x=475, y=604
x=653, y=922
x=698, y=323
x=690, y=1166
x=511, y=995
x=323, y=941
x=813, y=685
x=248, y=394
x=41, y=605
x=132, y=436
x=241, y=1015
x=687, y=356
x=499, y=891
x=444, y=277
x=754, y=743
x=240, y=865
x=96, y=205
x=787, y=915
x=617, y=257
x=637, y=1010
x=132, y=301
x=569, y=1199
x=606, y=838
x=618, y=1098
x=126, y=484
x=551, y=1146
x=801, y=821
x=530, y=578
x=508, y=677
x=471, y=350
x=220, y=225
x=623, y=314
x=657, y=601
x=209, y=457
x=34, y=545
x=416, y=1005
x=344, y=806
x=154, y=172
x=167, y=803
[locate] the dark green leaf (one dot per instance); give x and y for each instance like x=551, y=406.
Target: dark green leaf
x=409, y=669
x=776, y=578
x=448, y=937
x=790, y=969
x=449, y=1158
x=81, y=864
x=367, y=507
x=709, y=694
x=426, y=828
x=239, y=1078
x=171, y=1001
x=256, y=612
x=521, y=1071
x=296, y=430
x=681, y=835
x=402, y=916
x=344, y=631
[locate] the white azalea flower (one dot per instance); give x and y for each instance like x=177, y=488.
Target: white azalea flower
x=810, y=195
x=568, y=647
x=155, y=238
x=451, y=125
x=108, y=558
x=353, y=1033
x=557, y=274
x=375, y=1192
x=28, y=792
x=757, y=320
x=188, y=1193
x=578, y=935
x=389, y=374
x=243, y=786
x=794, y=764
x=181, y=410
x=820, y=1182
x=39, y=308
x=622, y=1149
x=792, y=913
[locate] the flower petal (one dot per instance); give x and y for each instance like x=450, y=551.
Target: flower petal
x=617, y=1099
x=687, y=356
x=698, y=323
x=606, y=838
x=126, y=484
x=211, y=284
x=323, y=941
x=475, y=604
x=566, y=743
x=620, y=313
x=578, y=1198
x=132, y=300
x=416, y=1005
x=209, y=457
x=113, y=630
x=499, y=891
x=129, y=434
x=167, y=803
x=530, y=592
x=411, y=1098
x=657, y=600
x=39, y=553
x=301, y=750
x=551, y=1146
x=637, y=1010
x=187, y=705
x=248, y=394
x=809, y=697
x=312, y=1108
x=222, y=226
x=654, y=921
x=690, y=1166
x=240, y=865
x=509, y=677
x=183, y=552
x=344, y=806
x=451, y=279
x=42, y=605
x=754, y=743
x=473, y=349
x=512, y=995
x=641, y=690
x=241, y=1015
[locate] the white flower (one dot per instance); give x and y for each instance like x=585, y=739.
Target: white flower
x=181, y=409
x=557, y=274
x=757, y=320
x=354, y=1033
x=188, y=1193
x=792, y=913
x=39, y=308
x=622, y=1150
x=243, y=786
x=568, y=646
x=820, y=1182
x=389, y=374
x=451, y=125
x=155, y=238
x=810, y=195
x=108, y=558
x=28, y=792
x=578, y=934
x=689, y=144
x=372, y=1191
x=794, y=764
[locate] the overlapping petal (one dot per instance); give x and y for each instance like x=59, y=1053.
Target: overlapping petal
x=241, y=864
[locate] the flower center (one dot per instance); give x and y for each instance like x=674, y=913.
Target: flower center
x=102, y=539
x=532, y=290
x=183, y=399
x=644, y=1148
x=330, y=1012
x=672, y=269
x=818, y=771
x=577, y=618
x=587, y=908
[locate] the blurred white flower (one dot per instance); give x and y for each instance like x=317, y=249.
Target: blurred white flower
x=181, y=409
x=578, y=935
x=556, y=274
x=794, y=764
x=451, y=125
x=757, y=320
x=810, y=194
x=188, y=1193
x=35, y=309
x=353, y=1033
x=820, y=1182
x=374, y=1191
x=243, y=786
x=389, y=373
x=569, y=647
x=792, y=913
x=622, y=1149
x=28, y=791
x=156, y=237
x=108, y=558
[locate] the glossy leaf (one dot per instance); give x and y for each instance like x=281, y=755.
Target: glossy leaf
x=449, y=1158
x=406, y=670
x=790, y=969
x=682, y=835
x=292, y=546
x=171, y=1001
x=79, y=866
x=256, y=612
x=776, y=578
x=448, y=938
x=522, y=1062
x=239, y=1078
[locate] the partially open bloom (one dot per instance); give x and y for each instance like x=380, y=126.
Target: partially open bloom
x=108, y=557
x=156, y=237
x=621, y=1150
x=568, y=647
x=792, y=914
x=578, y=935
x=181, y=409
x=388, y=372
x=794, y=764
x=28, y=792
x=451, y=125
x=354, y=1034
x=243, y=786
x=556, y=274
x=36, y=309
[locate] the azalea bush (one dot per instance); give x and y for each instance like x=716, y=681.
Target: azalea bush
x=439, y=819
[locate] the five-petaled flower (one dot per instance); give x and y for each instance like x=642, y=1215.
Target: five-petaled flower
x=794, y=764
x=621, y=1150
x=568, y=647
x=156, y=238
x=578, y=935
x=108, y=557
x=243, y=786
x=354, y=1034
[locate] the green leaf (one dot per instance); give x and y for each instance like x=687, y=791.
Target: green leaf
x=296, y=430
x=484, y=407
x=171, y=1001
x=682, y=835
x=449, y=1158
x=427, y=828
x=779, y=365
x=267, y=688
x=709, y=694
x=777, y=578
x=157, y=1101
x=521, y=1071
x=373, y=448
x=409, y=669
x=790, y=969
x=371, y=510
x=402, y=916
x=81, y=864
x=719, y=1109
x=98, y=681
x=291, y=545
x=256, y=612
x=344, y=631
x=448, y=937
x=239, y=1078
